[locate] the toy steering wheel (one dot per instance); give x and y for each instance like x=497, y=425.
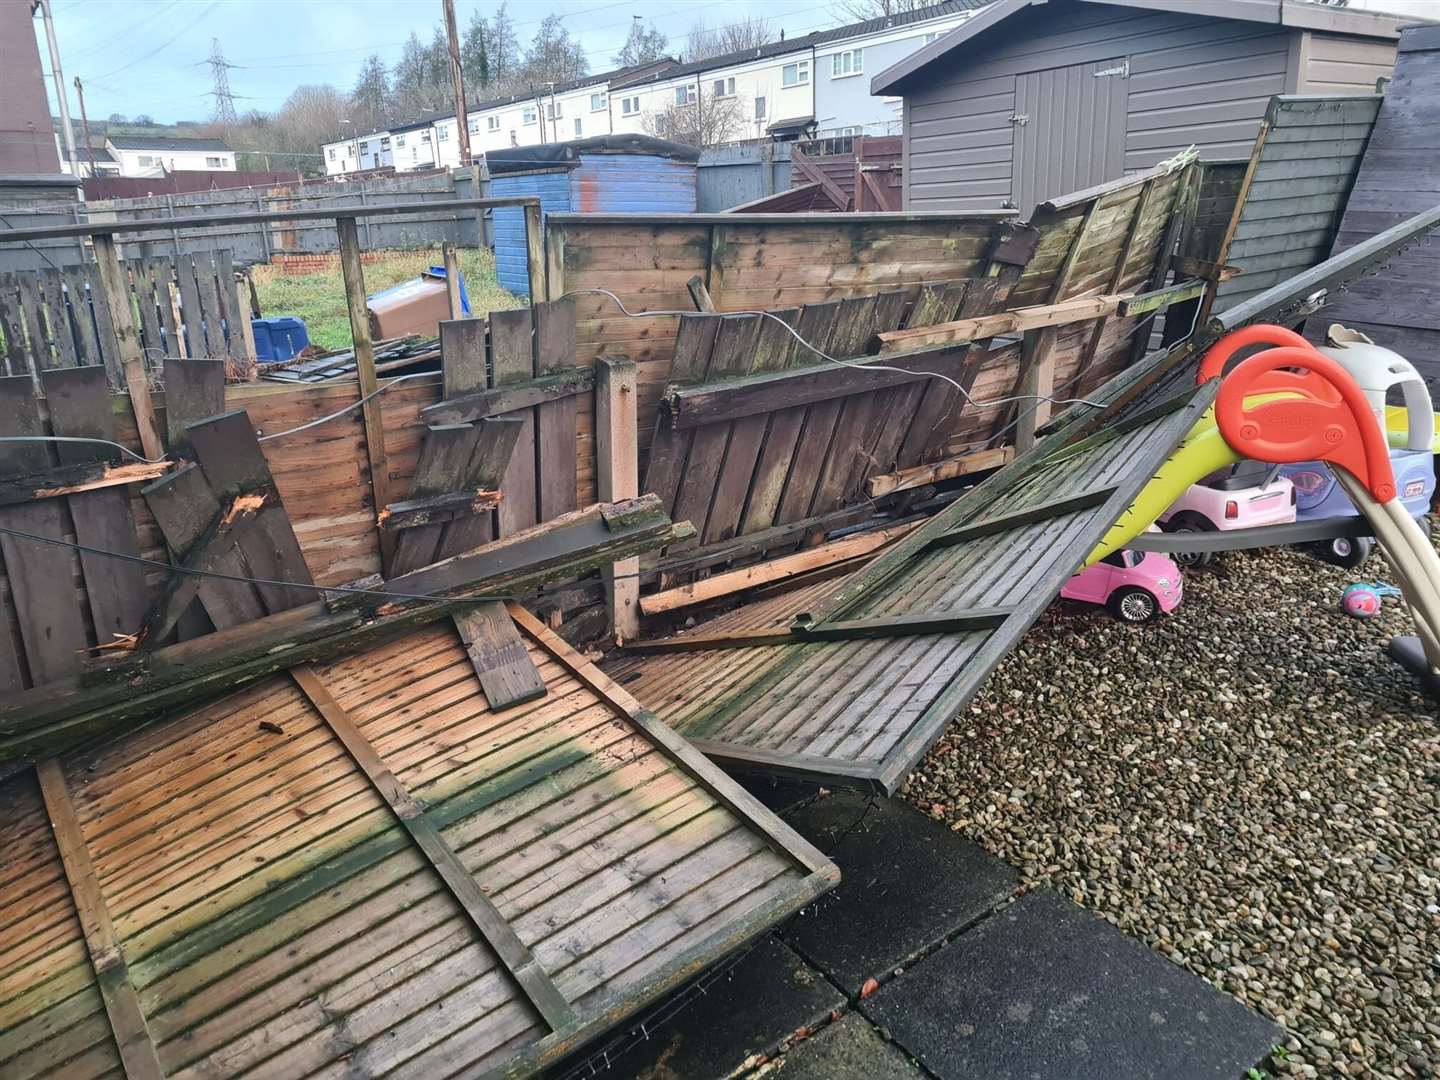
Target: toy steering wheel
x=1213, y=364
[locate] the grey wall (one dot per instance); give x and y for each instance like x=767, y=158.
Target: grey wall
x=1191, y=80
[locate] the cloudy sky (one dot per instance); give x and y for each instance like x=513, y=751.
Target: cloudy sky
x=148, y=56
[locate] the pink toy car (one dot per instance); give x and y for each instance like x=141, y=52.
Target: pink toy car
x=1136, y=586
x=1246, y=496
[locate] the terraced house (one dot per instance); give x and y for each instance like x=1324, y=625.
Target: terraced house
x=815, y=85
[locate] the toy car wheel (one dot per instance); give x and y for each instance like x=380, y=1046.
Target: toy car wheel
x=1347, y=552
x=1190, y=523
x=1133, y=604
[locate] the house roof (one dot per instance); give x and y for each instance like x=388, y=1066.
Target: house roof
x=1299, y=14
x=151, y=142
x=817, y=38
x=567, y=154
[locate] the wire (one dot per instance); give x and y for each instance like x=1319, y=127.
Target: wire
x=834, y=360
x=77, y=439
x=171, y=568
x=348, y=408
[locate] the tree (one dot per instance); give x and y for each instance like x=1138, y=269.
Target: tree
x=475, y=54
x=117, y=118
x=502, y=49
x=370, y=99
x=860, y=10
x=419, y=79
x=703, y=42
x=554, y=56
x=645, y=44
x=707, y=121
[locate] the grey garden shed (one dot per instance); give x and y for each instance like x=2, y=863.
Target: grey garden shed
x=1035, y=98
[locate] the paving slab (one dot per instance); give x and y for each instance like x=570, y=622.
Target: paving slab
x=768, y=995
x=906, y=883
x=1047, y=989
x=849, y=1047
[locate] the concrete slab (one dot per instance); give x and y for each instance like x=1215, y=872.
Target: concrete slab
x=848, y=1047
x=1046, y=989
x=768, y=996
x=907, y=882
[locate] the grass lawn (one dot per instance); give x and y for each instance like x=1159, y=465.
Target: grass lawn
x=319, y=298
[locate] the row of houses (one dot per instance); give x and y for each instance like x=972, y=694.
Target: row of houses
x=149, y=156
x=816, y=85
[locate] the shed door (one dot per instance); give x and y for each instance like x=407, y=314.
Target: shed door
x=1069, y=130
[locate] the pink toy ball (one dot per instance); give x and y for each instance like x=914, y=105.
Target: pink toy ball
x=1360, y=601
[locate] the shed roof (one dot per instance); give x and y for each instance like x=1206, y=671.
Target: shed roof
x=566, y=154
x=1299, y=14
x=165, y=142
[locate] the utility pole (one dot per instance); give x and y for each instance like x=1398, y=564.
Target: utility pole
x=44, y=8
x=85, y=126
x=457, y=78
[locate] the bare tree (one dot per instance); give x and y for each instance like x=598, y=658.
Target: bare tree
x=707, y=121
x=702, y=42
x=643, y=45
x=860, y=10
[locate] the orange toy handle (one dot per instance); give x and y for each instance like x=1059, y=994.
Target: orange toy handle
x=1219, y=354
x=1328, y=417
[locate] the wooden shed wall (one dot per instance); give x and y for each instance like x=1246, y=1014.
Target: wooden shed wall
x=1341, y=64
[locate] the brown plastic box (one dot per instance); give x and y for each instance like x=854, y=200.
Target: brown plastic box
x=412, y=307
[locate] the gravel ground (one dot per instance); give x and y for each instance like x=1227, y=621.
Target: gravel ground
x=1249, y=785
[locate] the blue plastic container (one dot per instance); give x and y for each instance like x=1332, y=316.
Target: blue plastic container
x=280, y=337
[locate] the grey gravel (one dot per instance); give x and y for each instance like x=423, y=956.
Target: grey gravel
x=1250, y=786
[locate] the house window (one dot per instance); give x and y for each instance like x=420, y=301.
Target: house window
x=332, y=153
x=145, y=161
x=629, y=106
x=553, y=110
x=796, y=74
x=724, y=88
x=385, y=143
x=492, y=123
x=932, y=35
x=578, y=131
x=599, y=102
x=214, y=162
x=849, y=62
x=442, y=134
x=685, y=95
x=759, y=108
x=425, y=136
x=399, y=140
x=527, y=115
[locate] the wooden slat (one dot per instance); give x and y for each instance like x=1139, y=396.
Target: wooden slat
x=87, y=345
x=512, y=353
x=188, y=286
x=194, y=390
x=31, y=311
x=462, y=357
x=507, y=399
x=232, y=310
x=129, y=360
x=531, y=978
x=507, y=674
x=79, y=403
x=935, y=472
x=138, y=1053
x=12, y=326
x=444, y=454
x=227, y=448
x=162, y=273
x=150, y=337
x=617, y=459
x=209, y=305
x=555, y=420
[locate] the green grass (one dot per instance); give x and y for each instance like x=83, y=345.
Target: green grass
x=319, y=298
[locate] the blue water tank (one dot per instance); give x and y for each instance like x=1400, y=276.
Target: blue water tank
x=280, y=337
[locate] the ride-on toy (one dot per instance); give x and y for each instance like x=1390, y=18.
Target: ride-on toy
x=1135, y=586
x=1247, y=495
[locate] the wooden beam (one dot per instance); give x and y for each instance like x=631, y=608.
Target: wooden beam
x=138, y=1054
x=617, y=461
x=510, y=398
x=1159, y=299
x=531, y=978
x=1037, y=384
x=452, y=280
x=354, y=274
x=127, y=340
x=462, y=357
x=733, y=639
x=1190, y=266
x=74, y=479
x=734, y=581
x=929, y=622
x=936, y=471
x=437, y=509
x=989, y=526
x=700, y=294
x=706, y=774
x=1016, y=320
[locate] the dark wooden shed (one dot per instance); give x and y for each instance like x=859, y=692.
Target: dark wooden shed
x=1034, y=98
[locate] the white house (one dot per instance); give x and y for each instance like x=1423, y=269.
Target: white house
x=812, y=85
x=99, y=162
x=145, y=155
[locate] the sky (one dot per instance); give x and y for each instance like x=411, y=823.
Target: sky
x=148, y=56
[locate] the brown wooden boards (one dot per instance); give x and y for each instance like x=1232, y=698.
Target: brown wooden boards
x=276, y=916
x=506, y=673
x=194, y=389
